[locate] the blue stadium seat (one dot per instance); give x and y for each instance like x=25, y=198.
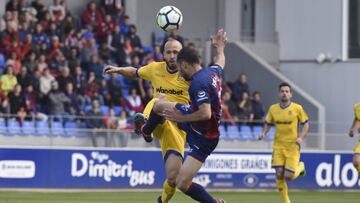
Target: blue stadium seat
x=3, y=129
x=28, y=128
x=71, y=128
x=117, y=110
x=14, y=127
x=222, y=132
x=233, y=132
x=104, y=110
x=256, y=131
x=57, y=129
x=245, y=132
x=271, y=134
x=87, y=108
x=42, y=128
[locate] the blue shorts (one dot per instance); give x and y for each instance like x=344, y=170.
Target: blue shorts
x=200, y=147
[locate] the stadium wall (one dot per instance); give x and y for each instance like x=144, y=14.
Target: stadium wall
x=138, y=169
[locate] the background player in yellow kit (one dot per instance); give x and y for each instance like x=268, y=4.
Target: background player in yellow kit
x=356, y=126
x=286, y=116
x=165, y=79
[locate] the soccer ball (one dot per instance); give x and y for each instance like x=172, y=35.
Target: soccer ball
x=169, y=18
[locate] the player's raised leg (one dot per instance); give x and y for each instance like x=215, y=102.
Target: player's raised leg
x=356, y=158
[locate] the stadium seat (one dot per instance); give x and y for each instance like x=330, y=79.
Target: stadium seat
x=71, y=129
x=117, y=110
x=271, y=134
x=87, y=108
x=256, y=132
x=14, y=127
x=104, y=110
x=245, y=132
x=57, y=129
x=233, y=132
x=42, y=128
x=223, y=134
x=28, y=128
x=3, y=129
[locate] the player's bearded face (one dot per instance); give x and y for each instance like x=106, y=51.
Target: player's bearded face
x=170, y=56
x=183, y=68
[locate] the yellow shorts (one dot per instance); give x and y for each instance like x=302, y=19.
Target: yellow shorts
x=172, y=139
x=286, y=157
x=357, y=148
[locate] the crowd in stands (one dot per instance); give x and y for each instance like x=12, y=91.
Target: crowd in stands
x=51, y=64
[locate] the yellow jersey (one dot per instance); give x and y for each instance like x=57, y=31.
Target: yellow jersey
x=357, y=111
x=172, y=85
x=286, y=121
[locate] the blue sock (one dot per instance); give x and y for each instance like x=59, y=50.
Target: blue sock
x=153, y=121
x=198, y=193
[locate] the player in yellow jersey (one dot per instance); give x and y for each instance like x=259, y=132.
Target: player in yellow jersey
x=286, y=116
x=356, y=126
x=165, y=79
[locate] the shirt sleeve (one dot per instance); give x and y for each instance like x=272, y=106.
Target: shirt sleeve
x=200, y=95
x=357, y=112
x=303, y=117
x=146, y=72
x=218, y=69
x=269, y=117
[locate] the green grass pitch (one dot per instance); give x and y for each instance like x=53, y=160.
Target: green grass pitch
x=150, y=197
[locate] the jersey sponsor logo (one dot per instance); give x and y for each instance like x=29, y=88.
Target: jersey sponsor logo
x=283, y=122
x=290, y=112
x=169, y=91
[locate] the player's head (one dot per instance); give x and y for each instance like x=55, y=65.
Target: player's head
x=285, y=92
x=187, y=61
x=171, y=49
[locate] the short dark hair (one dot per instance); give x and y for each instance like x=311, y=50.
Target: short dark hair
x=188, y=55
x=284, y=84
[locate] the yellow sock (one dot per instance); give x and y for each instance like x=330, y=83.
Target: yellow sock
x=283, y=189
x=168, y=192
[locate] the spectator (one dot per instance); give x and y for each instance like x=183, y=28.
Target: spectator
x=115, y=87
x=28, y=47
x=17, y=104
x=15, y=62
x=89, y=50
x=39, y=36
x=72, y=39
x=95, y=122
x=58, y=63
x=105, y=53
x=229, y=109
x=64, y=78
x=92, y=16
x=24, y=79
x=134, y=103
x=79, y=81
x=31, y=63
x=42, y=63
x=67, y=26
x=73, y=60
x=125, y=25
x=31, y=104
x=239, y=87
x=53, y=31
x=13, y=5
x=24, y=30
x=57, y=102
x=116, y=39
x=135, y=40
x=45, y=21
x=45, y=82
x=105, y=28
x=123, y=128
x=40, y=9
x=157, y=55
x=112, y=7
x=57, y=11
x=258, y=108
x=246, y=113
x=73, y=107
x=8, y=80
x=105, y=92
x=55, y=47
x=95, y=66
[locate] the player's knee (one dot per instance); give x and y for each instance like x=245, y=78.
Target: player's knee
x=171, y=179
x=183, y=184
x=156, y=107
x=279, y=175
x=289, y=176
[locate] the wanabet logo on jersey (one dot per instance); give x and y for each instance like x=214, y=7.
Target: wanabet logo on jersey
x=99, y=165
x=19, y=169
x=169, y=91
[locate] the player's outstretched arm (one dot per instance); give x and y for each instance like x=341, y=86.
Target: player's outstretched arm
x=218, y=41
x=125, y=71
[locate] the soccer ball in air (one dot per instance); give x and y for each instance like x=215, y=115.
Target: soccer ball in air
x=169, y=18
